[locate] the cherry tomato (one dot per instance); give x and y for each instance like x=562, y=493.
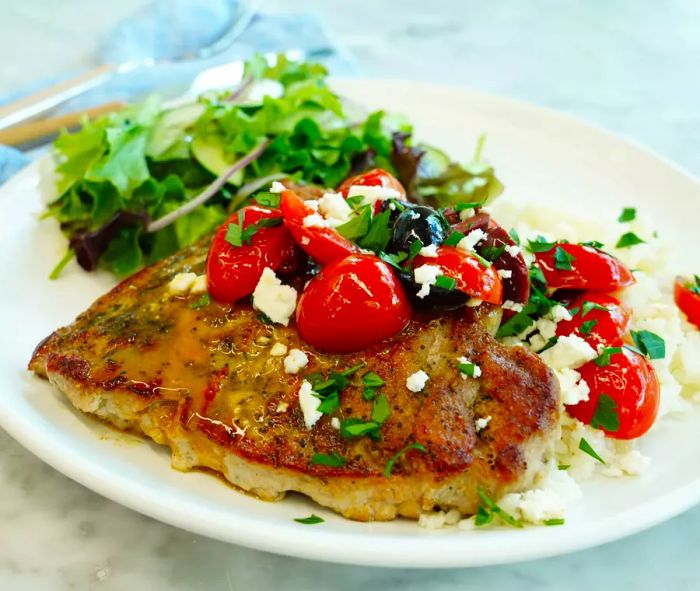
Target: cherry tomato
x=591, y=268
x=352, y=304
x=597, y=327
x=322, y=243
x=687, y=299
x=630, y=380
x=234, y=271
x=377, y=177
x=472, y=277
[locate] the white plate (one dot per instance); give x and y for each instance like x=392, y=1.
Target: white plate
x=539, y=155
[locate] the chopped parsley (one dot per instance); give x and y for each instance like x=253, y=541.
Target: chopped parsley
x=380, y=410
x=540, y=244
x=394, y=260
x=488, y=509
x=649, y=344
x=234, y=232
x=238, y=235
x=201, y=302
x=379, y=233
x=628, y=239
x=585, y=447
x=587, y=327
x=694, y=287
x=468, y=205
x=562, y=259
x=333, y=460
x=515, y=236
x=414, y=249
x=603, y=359
x=593, y=244
x=352, y=427
x=563, y=466
x=556, y=521
x=627, y=215
x=328, y=390
x=310, y=520
x=453, y=239
x=589, y=306
x=469, y=369
x=390, y=464
x=371, y=382
x=605, y=415
x=268, y=199
x=445, y=282
x=358, y=226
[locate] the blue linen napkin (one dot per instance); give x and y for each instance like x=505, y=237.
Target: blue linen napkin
x=265, y=33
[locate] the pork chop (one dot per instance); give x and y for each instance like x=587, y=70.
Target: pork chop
x=202, y=381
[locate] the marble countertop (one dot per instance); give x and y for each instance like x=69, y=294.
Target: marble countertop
x=629, y=66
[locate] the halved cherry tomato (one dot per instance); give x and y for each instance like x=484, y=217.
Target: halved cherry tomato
x=630, y=380
x=597, y=327
x=470, y=274
x=377, y=177
x=591, y=268
x=234, y=271
x=688, y=300
x=351, y=304
x=323, y=243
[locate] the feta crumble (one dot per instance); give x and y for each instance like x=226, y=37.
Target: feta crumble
x=429, y=251
x=469, y=242
x=315, y=220
x=572, y=388
x=373, y=194
x=199, y=285
x=309, y=404
x=511, y=305
x=425, y=276
x=272, y=298
x=568, y=352
x=465, y=214
x=278, y=350
x=335, y=423
x=334, y=208
x=417, y=381
x=277, y=187
x=513, y=250
x=181, y=283
x=482, y=423
x=295, y=361
x=505, y=273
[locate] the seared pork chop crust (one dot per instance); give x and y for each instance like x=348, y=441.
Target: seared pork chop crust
x=203, y=382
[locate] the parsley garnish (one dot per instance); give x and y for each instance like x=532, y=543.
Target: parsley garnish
x=540, y=244
x=352, y=427
x=563, y=466
x=414, y=249
x=390, y=464
x=394, y=260
x=488, y=509
x=562, y=259
x=649, y=344
x=333, y=460
x=264, y=318
x=593, y=244
x=234, y=232
x=453, y=239
x=695, y=288
x=468, y=205
x=268, y=199
x=371, y=381
x=201, y=302
x=628, y=239
x=588, y=306
x=358, y=226
x=329, y=390
x=491, y=253
x=627, y=215
x=355, y=202
x=379, y=233
x=468, y=369
x=310, y=520
x=587, y=327
x=380, y=410
x=603, y=359
x=605, y=415
x=445, y=282
x=515, y=236
x=585, y=447
x=556, y=521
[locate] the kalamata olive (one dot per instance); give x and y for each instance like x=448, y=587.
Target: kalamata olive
x=438, y=297
x=418, y=223
x=396, y=206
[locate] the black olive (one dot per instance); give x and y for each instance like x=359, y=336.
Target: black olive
x=396, y=206
x=418, y=223
x=437, y=297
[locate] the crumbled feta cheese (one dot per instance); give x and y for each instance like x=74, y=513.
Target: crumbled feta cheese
x=417, y=381
x=513, y=250
x=272, y=298
x=305, y=240
x=295, y=361
x=425, y=276
x=335, y=423
x=373, y=194
x=309, y=404
x=482, y=423
x=505, y=273
x=568, y=352
x=181, y=283
x=282, y=407
x=278, y=350
x=511, y=305
x=315, y=220
x=469, y=242
x=465, y=214
x=573, y=389
x=429, y=251
x=199, y=285
x=559, y=313
x=334, y=208
x=277, y=187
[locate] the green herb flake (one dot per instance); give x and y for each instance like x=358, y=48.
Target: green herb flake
x=310, y=520
x=380, y=410
x=234, y=232
x=540, y=244
x=379, y=233
x=593, y=244
x=453, y=239
x=445, y=282
x=649, y=343
x=357, y=226
x=515, y=236
x=392, y=462
x=563, y=466
x=489, y=506
x=352, y=427
x=628, y=214
x=468, y=369
x=694, y=287
x=605, y=415
x=556, y=521
x=628, y=239
x=587, y=327
x=372, y=380
x=268, y=199
x=414, y=249
x=201, y=302
x=603, y=359
x=590, y=306
x=332, y=460
x=563, y=260
x=585, y=447
x=394, y=260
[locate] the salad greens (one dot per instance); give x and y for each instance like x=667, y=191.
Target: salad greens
x=137, y=185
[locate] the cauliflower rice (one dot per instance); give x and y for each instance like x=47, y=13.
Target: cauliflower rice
x=653, y=308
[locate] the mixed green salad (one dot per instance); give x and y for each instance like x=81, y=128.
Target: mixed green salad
x=138, y=185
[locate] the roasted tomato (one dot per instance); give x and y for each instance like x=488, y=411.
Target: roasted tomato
x=590, y=268
x=373, y=178
x=322, y=243
x=631, y=382
x=599, y=319
x=352, y=304
x=471, y=275
x=687, y=294
x=234, y=271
